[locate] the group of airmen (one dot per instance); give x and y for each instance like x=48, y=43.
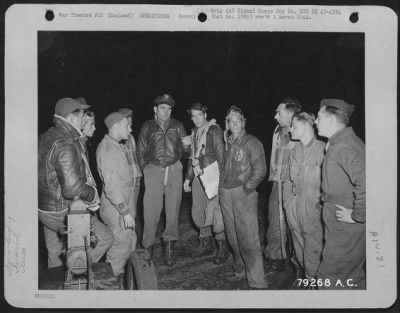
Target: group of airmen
x=317, y=197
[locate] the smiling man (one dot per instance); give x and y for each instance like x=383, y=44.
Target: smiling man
x=244, y=169
x=343, y=194
x=207, y=147
x=161, y=145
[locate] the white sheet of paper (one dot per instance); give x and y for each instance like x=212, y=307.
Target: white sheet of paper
x=210, y=180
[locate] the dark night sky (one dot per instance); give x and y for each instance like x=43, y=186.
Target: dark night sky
x=254, y=70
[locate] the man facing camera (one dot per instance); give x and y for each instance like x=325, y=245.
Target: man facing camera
x=244, y=169
x=207, y=148
x=160, y=148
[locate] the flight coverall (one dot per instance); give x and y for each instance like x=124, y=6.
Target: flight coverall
x=279, y=173
x=343, y=183
x=119, y=198
x=303, y=209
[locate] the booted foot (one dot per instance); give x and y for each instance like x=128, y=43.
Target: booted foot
x=263, y=285
x=148, y=253
x=275, y=266
x=241, y=275
x=222, y=254
x=205, y=247
x=169, y=258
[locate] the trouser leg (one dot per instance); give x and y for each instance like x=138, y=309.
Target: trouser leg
x=296, y=231
x=246, y=220
x=152, y=202
x=173, y=198
x=312, y=234
x=227, y=199
x=104, y=236
x=273, y=249
x=124, y=239
x=198, y=209
x=55, y=244
x=221, y=235
x=344, y=252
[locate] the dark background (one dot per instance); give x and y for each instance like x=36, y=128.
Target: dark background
x=253, y=70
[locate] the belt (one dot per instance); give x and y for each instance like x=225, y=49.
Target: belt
x=63, y=211
x=335, y=199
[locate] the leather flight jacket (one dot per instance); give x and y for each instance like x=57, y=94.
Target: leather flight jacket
x=161, y=146
x=61, y=169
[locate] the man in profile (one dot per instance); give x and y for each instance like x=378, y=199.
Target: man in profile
x=63, y=179
x=343, y=195
x=275, y=252
x=118, y=206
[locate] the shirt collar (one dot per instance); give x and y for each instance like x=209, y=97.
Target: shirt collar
x=310, y=143
x=112, y=140
x=339, y=134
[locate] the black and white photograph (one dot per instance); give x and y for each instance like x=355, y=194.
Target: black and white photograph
x=204, y=159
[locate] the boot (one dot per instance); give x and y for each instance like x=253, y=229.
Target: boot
x=169, y=258
x=275, y=266
x=298, y=277
x=222, y=252
x=148, y=253
x=205, y=247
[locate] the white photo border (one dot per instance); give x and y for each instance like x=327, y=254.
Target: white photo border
x=21, y=95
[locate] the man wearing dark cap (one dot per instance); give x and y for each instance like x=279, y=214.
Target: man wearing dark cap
x=282, y=146
x=207, y=148
x=244, y=169
x=63, y=179
x=118, y=205
x=160, y=146
x=343, y=195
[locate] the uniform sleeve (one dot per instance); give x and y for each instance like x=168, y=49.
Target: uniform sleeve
x=292, y=172
x=142, y=147
x=219, y=148
x=68, y=164
x=106, y=166
x=258, y=166
x=218, y=145
x=353, y=163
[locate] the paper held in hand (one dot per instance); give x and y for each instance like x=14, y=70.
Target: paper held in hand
x=210, y=180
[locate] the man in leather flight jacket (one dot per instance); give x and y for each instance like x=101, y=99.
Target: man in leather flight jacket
x=244, y=169
x=160, y=148
x=62, y=177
